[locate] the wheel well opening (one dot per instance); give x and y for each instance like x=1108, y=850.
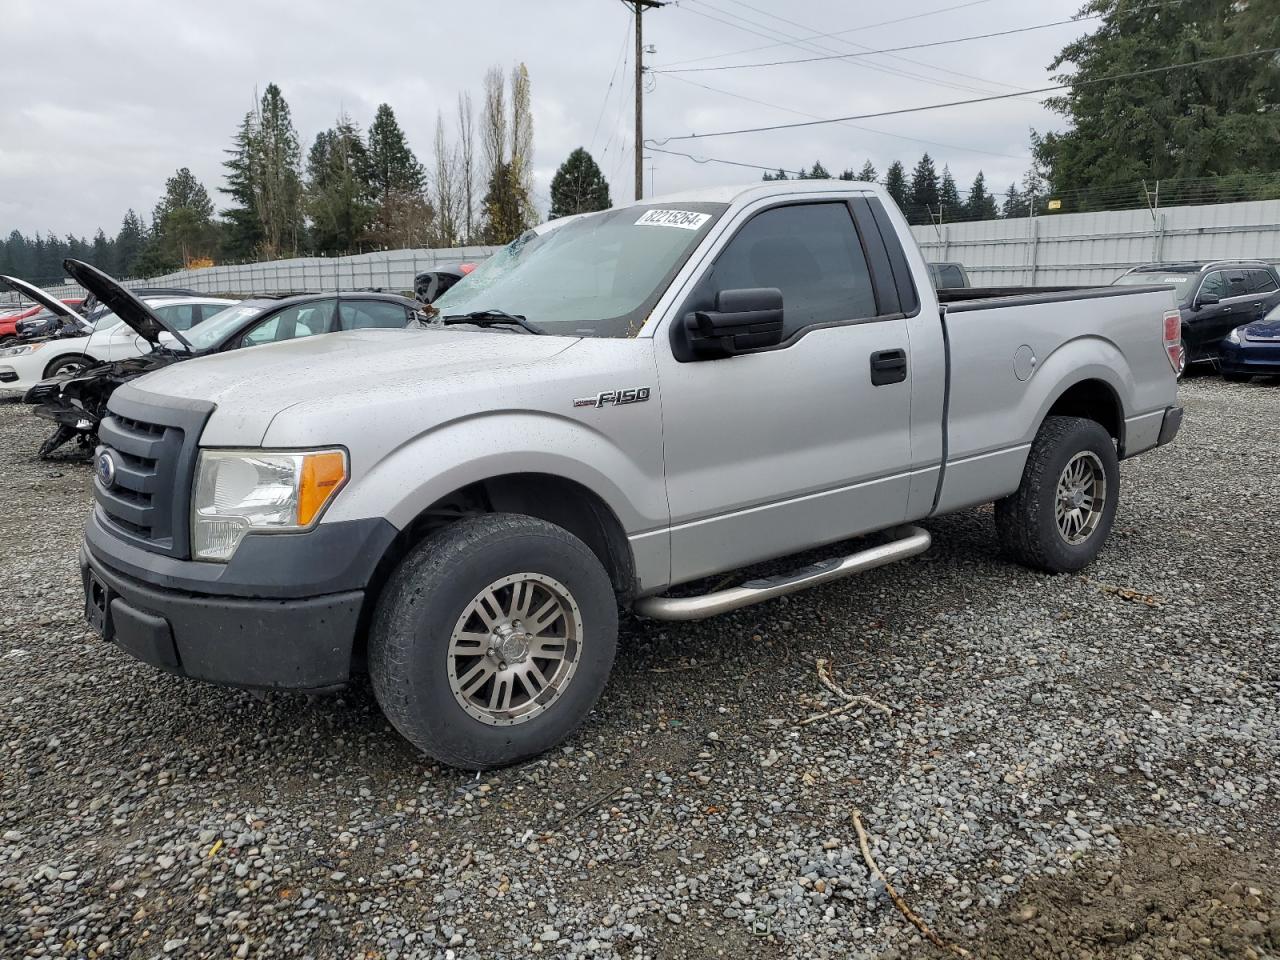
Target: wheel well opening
x=566, y=503
x=1092, y=400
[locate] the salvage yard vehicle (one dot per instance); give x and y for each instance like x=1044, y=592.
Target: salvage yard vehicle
x=30, y=361
x=75, y=399
x=1214, y=297
x=1253, y=350
x=9, y=321
x=641, y=398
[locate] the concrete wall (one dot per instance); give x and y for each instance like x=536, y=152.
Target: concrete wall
x=391, y=270
x=1095, y=248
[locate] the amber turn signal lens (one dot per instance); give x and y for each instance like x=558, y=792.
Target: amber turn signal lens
x=323, y=474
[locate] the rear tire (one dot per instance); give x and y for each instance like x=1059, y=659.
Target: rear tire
x=1060, y=515
x=455, y=641
x=1181, y=368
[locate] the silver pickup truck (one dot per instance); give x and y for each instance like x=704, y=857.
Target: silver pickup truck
x=610, y=407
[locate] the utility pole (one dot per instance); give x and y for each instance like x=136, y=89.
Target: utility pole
x=640, y=7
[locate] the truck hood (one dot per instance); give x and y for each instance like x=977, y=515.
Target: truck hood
x=250, y=387
x=145, y=321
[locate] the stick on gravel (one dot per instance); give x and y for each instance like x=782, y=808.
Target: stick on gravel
x=865, y=846
x=850, y=699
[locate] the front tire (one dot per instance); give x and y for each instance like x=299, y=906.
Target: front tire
x=493, y=640
x=72, y=364
x=1060, y=515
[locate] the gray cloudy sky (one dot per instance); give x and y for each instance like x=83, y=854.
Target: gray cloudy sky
x=102, y=102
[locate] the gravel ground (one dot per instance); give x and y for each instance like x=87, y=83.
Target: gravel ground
x=1076, y=766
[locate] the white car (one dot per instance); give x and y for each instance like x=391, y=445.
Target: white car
x=24, y=365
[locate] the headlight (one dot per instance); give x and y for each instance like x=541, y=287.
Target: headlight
x=1234, y=336
x=19, y=351
x=273, y=491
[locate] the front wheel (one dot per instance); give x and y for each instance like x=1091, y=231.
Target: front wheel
x=1060, y=515
x=492, y=640
x=72, y=364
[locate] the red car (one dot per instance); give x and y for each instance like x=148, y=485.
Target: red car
x=9, y=321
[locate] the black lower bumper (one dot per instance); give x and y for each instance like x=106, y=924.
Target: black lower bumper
x=301, y=644
x=1170, y=426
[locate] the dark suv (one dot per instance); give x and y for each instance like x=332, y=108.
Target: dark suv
x=1215, y=297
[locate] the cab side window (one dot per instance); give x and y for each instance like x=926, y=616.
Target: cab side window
x=1236, y=286
x=811, y=252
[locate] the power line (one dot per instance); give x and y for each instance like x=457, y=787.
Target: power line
x=882, y=133
x=729, y=163
x=834, y=33
x=909, y=46
x=960, y=103
x=881, y=68
x=867, y=50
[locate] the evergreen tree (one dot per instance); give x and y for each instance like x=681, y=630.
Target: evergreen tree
x=277, y=176
x=780, y=175
x=578, y=186
x=182, y=226
x=1014, y=204
x=339, y=195
x=922, y=200
x=980, y=204
x=392, y=165
x=103, y=255
x=396, y=178
x=503, y=207
x=846, y=174
x=949, y=206
x=129, y=243
x=1198, y=122
x=243, y=235
x=895, y=182
x=868, y=173
x=818, y=172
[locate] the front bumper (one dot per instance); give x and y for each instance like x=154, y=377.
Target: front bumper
x=1261, y=358
x=262, y=622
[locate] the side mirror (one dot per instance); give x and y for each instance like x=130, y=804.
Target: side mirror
x=742, y=320
x=1207, y=300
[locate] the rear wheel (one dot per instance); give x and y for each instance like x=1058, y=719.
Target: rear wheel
x=492, y=640
x=1181, y=368
x=1060, y=515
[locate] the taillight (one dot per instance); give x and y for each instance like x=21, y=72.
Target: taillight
x=1173, y=338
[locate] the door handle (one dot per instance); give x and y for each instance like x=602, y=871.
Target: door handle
x=888, y=366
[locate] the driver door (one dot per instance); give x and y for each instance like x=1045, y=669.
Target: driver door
x=791, y=446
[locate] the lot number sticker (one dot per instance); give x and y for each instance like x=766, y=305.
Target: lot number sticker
x=684, y=219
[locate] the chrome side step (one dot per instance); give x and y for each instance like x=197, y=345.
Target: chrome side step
x=910, y=540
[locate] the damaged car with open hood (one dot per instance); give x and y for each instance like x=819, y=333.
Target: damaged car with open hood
x=75, y=399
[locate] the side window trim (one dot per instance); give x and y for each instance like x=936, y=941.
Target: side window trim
x=908, y=296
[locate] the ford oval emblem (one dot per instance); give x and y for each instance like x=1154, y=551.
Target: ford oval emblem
x=106, y=469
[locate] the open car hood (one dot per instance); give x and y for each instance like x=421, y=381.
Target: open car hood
x=46, y=300
x=123, y=303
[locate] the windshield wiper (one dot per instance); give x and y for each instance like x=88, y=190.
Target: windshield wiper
x=492, y=318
